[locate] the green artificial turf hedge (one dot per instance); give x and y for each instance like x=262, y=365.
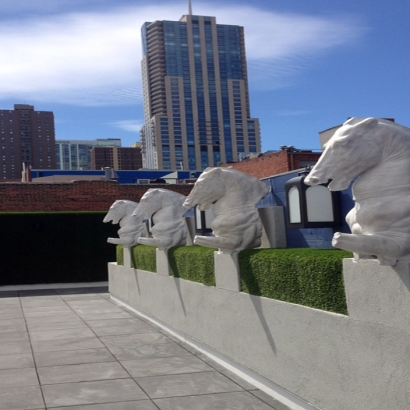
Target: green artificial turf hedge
x=310, y=277
x=143, y=257
x=54, y=247
x=194, y=263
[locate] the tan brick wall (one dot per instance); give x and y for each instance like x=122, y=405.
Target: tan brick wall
x=73, y=196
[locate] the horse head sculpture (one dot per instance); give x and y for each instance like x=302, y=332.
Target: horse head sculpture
x=376, y=151
x=165, y=209
x=233, y=196
x=130, y=228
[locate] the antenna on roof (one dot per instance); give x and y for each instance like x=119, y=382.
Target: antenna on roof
x=189, y=8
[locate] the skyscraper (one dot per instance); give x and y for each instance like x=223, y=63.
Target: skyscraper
x=196, y=100
x=28, y=137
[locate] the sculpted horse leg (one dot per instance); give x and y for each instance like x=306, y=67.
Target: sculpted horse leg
x=160, y=243
x=370, y=245
x=224, y=243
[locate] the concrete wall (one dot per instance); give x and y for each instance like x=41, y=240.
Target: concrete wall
x=305, y=358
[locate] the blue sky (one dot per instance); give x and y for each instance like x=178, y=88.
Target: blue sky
x=311, y=63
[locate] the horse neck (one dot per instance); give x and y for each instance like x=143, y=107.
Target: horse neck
x=168, y=213
x=232, y=202
x=393, y=170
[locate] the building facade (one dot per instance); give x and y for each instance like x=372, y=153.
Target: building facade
x=196, y=100
x=27, y=137
x=76, y=154
x=126, y=158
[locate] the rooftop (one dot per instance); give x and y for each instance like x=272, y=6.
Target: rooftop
x=75, y=347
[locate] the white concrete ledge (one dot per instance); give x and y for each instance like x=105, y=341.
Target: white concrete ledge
x=303, y=357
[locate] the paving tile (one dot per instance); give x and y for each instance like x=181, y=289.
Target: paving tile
x=71, y=394
x=53, y=319
x=123, y=330
x=35, y=299
x=38, y=335
x=11, y=322
x=96, y=310
x=221, y=401
x=78, y=324
x=47, y=313
x=20, y=326
x=89, y=303
x=15, y=361
x=149, y=350
x=34, y=303
x=99, y=316
x=15, y=348
x=113, y=322
x=6, y=337
x=68, y=298
x=66, y=344
x=21, y=398
x=135, y=340
x=186, y=384
x=18, y=377
x=165, y=365
x=129, y=405
x=81, y=373
x=52, y=308
x=11, y=312
x=73, y=357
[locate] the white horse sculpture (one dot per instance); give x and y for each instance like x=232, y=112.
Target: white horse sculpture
x=165, y=208
x=130, y=228
x=379, y=152
x=233, y=196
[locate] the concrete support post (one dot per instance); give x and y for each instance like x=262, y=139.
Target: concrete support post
x=274, y=231
x=162, y=262
x=378, y=294
x=127, y=257
x=190, y=227
x=227, y=271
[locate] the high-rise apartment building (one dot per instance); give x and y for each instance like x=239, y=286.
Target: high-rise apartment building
x=28, y=137
x=76, y=154
x=125, y=158
x=196, y=100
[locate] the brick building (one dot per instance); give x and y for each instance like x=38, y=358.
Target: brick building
x=288, y=159
x=28, y=137
x=73, y=196
x=116, y=157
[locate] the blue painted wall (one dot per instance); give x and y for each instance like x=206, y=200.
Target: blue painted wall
x=311, y=237
x=124, y=177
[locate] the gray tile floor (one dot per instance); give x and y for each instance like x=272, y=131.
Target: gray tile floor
x=75, y=349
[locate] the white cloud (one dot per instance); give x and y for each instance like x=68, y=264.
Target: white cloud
x=93, y=58
x=128, y=125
